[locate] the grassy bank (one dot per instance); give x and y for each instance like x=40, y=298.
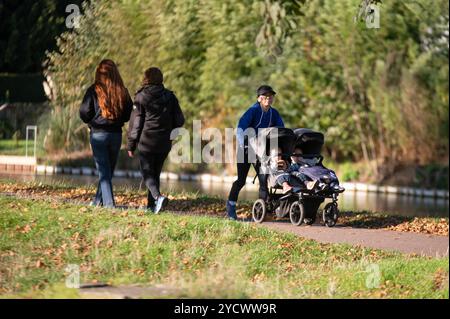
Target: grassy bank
x=198, y=256
x=18, y=148
x=200, y=204
x=10, y=147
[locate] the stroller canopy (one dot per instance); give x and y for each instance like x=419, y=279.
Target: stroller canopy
x=309, y=141
x=272, y=137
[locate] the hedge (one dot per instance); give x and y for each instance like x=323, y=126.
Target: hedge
x=22, y=88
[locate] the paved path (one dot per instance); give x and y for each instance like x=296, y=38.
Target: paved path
x=421, y=244
x=127, y=292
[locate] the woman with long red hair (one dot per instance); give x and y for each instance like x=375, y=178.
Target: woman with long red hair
x=106, y=106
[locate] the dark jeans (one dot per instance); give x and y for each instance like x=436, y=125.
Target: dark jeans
x=151, y=167
x=106, y=147
x=242, y=172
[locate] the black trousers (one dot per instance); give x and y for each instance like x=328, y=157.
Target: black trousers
x=151, y=167
x=242, y=172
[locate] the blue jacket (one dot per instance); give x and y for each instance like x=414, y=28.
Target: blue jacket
x=255, y=118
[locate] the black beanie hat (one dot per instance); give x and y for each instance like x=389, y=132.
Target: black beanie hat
x=265, y=89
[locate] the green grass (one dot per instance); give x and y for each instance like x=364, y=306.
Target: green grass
x=202, y=257
x=18, y=148
x=196, y=203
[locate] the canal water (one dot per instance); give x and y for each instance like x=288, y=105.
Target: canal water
x=392, y=204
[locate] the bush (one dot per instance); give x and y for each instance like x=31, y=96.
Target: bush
x=22, y=88
x=432, y=176
x=6, y=129
x=348, y=172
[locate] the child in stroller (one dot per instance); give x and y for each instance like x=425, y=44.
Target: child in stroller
x=287, y=174
x=318, y=177
x=305, y=181
x=308, y=162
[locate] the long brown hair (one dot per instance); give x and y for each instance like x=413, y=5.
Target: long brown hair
x=111, y=92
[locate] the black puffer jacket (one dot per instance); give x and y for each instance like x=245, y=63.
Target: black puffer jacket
x=91, y=114
x=156, y=113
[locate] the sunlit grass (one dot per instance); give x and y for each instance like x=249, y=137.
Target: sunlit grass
x=199, y=256
x=18, y=148
x=204, y=204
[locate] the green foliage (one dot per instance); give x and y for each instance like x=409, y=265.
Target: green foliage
x=279, y=22
x=16, y=137
x=6, y=129
x=370, y=90
x=432, y=176
x=29, y=29
x=348, y=172
x=380, y=95
x=108, y=30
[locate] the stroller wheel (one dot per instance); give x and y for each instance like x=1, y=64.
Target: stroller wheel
x=259, y=211
x=330, y=215
x=296, y=214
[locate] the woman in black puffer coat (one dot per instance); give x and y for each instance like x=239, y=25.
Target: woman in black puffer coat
x=156, y=113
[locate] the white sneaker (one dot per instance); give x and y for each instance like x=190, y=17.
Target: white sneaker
x=311, y=184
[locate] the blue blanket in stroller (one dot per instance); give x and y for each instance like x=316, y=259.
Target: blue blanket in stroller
x=320, y=173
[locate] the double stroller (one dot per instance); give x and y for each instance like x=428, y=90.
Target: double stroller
x=301, y=204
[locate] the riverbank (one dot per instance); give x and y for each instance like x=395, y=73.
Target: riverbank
x=190, y=256
x=14, y=165
x=200, y=204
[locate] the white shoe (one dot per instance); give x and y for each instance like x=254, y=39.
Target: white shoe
x=310, y=185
